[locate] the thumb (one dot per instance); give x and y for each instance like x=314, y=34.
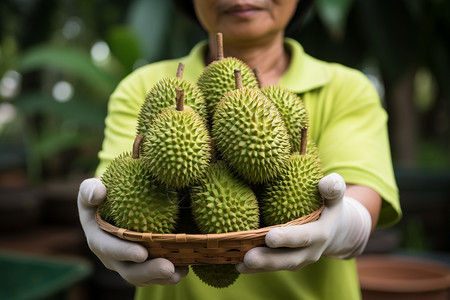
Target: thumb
x=92, y=192
x=332, y=188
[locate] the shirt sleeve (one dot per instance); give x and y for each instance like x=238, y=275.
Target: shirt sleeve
x=120, y=124
x=350, y=127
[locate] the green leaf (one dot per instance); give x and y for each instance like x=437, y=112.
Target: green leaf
x=84, y=112
x=151, y=20
x=72, y=60
x=333, y=14
x=50, y=143
x=124, y=46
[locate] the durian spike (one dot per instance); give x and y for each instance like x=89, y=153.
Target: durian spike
x=180, y=99
x=219, y=46
x=238, y=79
x=303, y=141
x=258, y=77
x=136, y=144
x=180, y=70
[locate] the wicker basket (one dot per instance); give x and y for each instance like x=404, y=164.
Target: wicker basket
x=198, y=249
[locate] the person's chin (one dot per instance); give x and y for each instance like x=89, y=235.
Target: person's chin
x=242, y=30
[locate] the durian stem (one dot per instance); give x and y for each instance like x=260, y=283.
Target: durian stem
x=219, y=46
x=180, y=99
x=238, y=79
x=180, y=70
x=136, y=146
x=303, y=142
x=258, y=77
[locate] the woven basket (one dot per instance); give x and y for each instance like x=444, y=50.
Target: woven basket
x=199, y=249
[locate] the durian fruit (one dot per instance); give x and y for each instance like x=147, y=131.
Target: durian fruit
x=217, y=78
x=292, y=110
x=295, y=192
x=222, y=203
x=250, y=134
x=177, y=145
x=311, y=147
x=161, y=95
x=218, y=276
x=108, y=178
x=134, y=200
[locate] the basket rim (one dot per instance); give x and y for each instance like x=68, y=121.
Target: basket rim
x=199, y=237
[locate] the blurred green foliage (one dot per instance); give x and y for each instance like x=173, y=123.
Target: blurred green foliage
x=46, y=42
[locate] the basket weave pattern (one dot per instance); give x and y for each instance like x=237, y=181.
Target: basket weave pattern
x=196, y=249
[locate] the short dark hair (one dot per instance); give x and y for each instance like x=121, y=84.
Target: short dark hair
x=187, y=8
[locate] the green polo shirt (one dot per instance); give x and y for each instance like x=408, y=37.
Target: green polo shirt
x=350, y=127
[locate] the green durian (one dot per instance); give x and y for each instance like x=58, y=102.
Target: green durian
x=311, y=148
x=108, y=178
x=135, y=201
x=217, y=78
x=162, y=95
x=218, y=276
x=222, y=203
x=177, y=146
x=292, y=110
x=250, y=135
x=295, y=192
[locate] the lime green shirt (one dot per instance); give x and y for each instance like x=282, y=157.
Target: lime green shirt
x=349, y=125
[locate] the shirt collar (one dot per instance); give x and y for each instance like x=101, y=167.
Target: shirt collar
x=303, y=74
x=196, y=60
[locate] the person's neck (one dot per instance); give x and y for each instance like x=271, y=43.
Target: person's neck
x=269, y=57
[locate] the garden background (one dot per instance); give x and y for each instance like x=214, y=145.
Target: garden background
x=60, y=60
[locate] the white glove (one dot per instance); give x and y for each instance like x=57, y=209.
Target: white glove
x=126, y=258
x=341, y=231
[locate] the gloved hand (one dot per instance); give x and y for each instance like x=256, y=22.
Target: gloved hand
x=341, y=231
x=127, y=258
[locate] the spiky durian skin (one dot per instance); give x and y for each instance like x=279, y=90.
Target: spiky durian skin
x=177, y=146
x=294, y=193
x=311, y=148
x=109, y=178
x=218, y=276
x=135, y=200
x=163, y=94
x=250, y=135
x=222, y=203
x=292, y=110
x=218, y=78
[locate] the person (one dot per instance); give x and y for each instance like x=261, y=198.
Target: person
x=348, y=123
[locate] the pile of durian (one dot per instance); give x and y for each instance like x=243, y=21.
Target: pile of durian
x=214, y=156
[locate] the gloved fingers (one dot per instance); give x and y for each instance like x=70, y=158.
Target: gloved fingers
x=332, y=188
x=317, y=232
x=243, y=269
x=105, y=246
x=126, y=258
x=92, y=192
x=154, y=271
x=263, y=259
x=109, y=247
x=297, y=236
x=179, y=273
x=86, y=213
